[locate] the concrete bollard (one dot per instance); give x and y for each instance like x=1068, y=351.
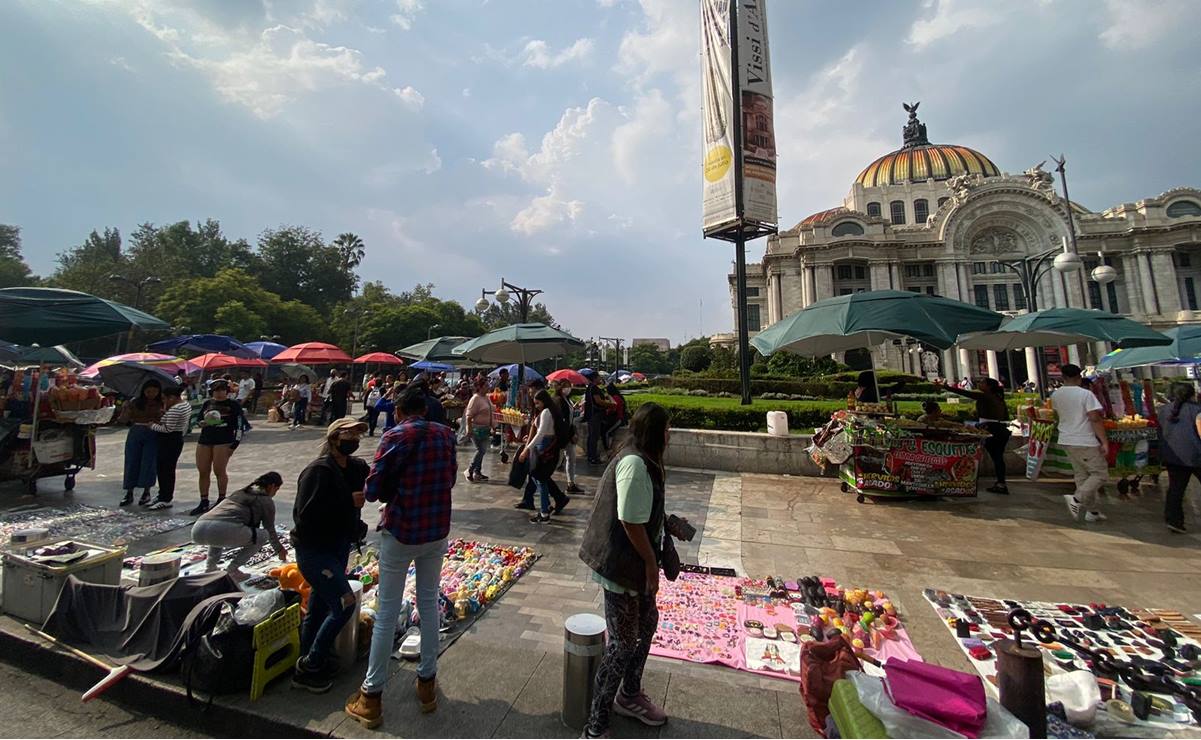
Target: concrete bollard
x=583, y=646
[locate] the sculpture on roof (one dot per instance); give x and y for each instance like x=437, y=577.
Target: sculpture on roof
x=914, y=131
x=1040, y=179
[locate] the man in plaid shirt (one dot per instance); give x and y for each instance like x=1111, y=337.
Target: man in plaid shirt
x=413, y=473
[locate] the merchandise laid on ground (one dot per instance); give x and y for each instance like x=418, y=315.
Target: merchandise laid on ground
x=759, y=626
x=77, y=521
x=1148, y=683
x=193, y=557
x=881, y=455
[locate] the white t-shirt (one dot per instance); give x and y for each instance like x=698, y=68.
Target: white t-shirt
x=1072, y=404
x=245, y=388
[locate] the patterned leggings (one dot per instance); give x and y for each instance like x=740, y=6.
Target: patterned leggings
x=631, y=623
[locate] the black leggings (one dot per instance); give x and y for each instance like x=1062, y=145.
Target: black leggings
x=170, y=445
x=631, y=622
x=1173, y=504
x=995, y=445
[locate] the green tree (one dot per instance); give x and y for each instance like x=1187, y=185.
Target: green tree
x=725, y=363
x=14, y=271
x=696, y=358
x=648, y=358
x=180, y=251
x=196, y=304
x=786, y=363
x=236, y=320
x=87, y=267
x=376, y=305
x=498, y=315
x=351, y=247
x=296, y=264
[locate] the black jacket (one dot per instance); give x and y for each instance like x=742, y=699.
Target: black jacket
x=606, y=548
x=324, y=512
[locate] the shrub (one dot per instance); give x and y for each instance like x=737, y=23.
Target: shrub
x=698, y=392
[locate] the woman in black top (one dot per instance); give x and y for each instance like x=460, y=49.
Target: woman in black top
x=221, y=424
x=993, y=415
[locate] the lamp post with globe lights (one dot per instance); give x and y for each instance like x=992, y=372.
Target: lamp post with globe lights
x=504, y=294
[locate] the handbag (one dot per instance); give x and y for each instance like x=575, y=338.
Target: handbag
x=669, y=559
x=518, y=473
x=220, y=661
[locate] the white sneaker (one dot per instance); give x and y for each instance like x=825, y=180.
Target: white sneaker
x=1094, y=516
x=159, y=505
x=1073, y=507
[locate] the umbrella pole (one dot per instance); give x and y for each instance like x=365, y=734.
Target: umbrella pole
x=875, y=381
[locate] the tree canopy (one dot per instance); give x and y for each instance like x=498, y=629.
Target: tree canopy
x=13, y=270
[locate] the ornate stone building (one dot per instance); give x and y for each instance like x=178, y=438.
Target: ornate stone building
x=936, y=218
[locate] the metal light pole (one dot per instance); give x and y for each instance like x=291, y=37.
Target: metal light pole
x=617, y=350
x=354, y=342
x=138, y=286
x=429, y=333
x=503, y=294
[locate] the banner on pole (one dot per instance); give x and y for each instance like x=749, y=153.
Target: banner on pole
x=753, y=111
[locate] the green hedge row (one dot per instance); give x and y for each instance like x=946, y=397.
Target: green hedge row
x=803, y=416
x=830, y=386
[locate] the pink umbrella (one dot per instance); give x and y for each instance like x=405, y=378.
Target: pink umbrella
x=168, y=363
x=218, y=361
x=313, y=353
x=567, y=374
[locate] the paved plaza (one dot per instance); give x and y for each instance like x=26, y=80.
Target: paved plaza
x=503, y=678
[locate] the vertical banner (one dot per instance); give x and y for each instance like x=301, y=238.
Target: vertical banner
x=758, y=125
x=717, y=200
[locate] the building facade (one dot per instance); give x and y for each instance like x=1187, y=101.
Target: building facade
x=936, y=218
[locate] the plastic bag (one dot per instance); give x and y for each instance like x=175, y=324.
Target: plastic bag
x=1079, y=694
x=254, y=609
x=901, y=724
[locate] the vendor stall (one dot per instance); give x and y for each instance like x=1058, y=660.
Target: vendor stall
x=1133, y=449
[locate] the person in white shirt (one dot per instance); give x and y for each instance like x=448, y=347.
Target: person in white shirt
x=1082, y=437
x=245, y=389
x=171, y=429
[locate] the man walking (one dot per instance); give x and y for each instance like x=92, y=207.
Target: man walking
x=413, y=474
x=339, y=396
x=245, y=390
x=326, y=401
x=1082, y=437
x=595, y=406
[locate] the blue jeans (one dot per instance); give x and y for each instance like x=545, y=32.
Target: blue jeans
x=394, y=560
x=481, y=438
x=141, y=458
x=330, y=603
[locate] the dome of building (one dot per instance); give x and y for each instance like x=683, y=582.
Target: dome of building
x=919, y=160
x=823, y=216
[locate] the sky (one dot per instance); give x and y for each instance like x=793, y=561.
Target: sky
x=555, y=143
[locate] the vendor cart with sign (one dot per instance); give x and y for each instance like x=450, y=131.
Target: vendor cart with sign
x=52, y=439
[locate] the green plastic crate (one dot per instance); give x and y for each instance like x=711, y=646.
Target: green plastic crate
x=853, y=720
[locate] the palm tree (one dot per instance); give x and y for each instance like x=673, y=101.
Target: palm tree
x=351, y=247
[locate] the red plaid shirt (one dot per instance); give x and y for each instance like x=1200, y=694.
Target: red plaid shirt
x=418, y=458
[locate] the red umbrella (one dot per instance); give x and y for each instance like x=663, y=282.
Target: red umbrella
x=567, y=374
x=638, y=376
x=312, y=353
x=379, y=358
x=218, y=361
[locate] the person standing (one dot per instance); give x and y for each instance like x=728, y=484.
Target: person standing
x=329, y=497
x=568, y=411
x=542, y=455
x=303, y=393
x=595, y=408
x=339, y=396
x=241, y=521
x=993, y=413
x=245, y=390
x=413, y=474
x=141, y=444
x=622, y=544
x=327, y=403
x=1180, y=429
x=1082, y=437
x=221, y=425
x=480, y=424
x=170, y=432
x=372, y=397
x=435, y=412
x=256, y=393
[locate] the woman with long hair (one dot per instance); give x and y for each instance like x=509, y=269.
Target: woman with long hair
x=993, y=414
x=623, y=545
x=542, y=454
x=141, y=444
x=221, y=425
x=1180, y=429
x=241, y=521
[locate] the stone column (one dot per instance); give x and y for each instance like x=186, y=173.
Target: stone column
x=948, y=285
x=962, y=277
x=1132, y=279
x=948, y=364
x=1032, y=364
x=880, y=276
x=994, y=368
x=824, y=281
x=894, y=274
x=1170, y=303
x=966, y=364
x=1148, y=283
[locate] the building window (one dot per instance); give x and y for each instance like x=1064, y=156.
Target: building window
x=928, y=269
x=752, y=292
x=860, y=272
x=1184, y=208
x=844, y=291
x=996, y=268
x=873, y=209
x=1001, y=296
x=941, y=201
x=843, y=272
x=1019, y=298
x=981, y=295
x=1094, y=295
x=979, y=268
x=1190, y=294
x=847, y=228
x=915, y=290
x=752, y=317
x=897, y=208
x=912, y=271
x=1183, y=260
x=921, y=211
x=931, y=290
x=1112, y=290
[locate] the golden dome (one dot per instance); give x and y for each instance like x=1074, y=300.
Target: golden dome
x=919, y=160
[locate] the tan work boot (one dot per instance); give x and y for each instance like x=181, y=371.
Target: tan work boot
x=427, y=694
x=366, y=709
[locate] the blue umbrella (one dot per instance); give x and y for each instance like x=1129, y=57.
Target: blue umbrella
x=204, y=343
x=265, y=350
x=433, y=367
x=530, y=373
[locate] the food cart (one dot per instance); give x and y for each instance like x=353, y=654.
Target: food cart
x=510, y=424
x=1133, y=449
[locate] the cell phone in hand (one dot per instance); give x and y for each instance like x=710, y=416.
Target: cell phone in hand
x=680, y=528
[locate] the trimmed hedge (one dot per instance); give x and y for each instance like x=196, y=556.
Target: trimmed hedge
x=826, y=386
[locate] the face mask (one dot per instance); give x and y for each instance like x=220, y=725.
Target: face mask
x=348, y=446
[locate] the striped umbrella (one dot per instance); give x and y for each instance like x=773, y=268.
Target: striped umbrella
x=167, y=363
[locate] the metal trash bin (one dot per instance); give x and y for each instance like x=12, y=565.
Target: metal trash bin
x=583, y=646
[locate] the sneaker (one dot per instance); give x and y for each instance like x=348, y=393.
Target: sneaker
x=525, y=506
x=1073, y=506
x=588, y=734
x=427, y=694
x=318, y=682
x=1178, y=528
x=1000, y=488
x=480, y=476
x=127, y=500
x=144, y=499
x=1095, y=516
x=540, y=519
x=469, y=476
x=573, y=488
x=366, y=709
x=201, y=507
x=159, y=505
x=641, y=708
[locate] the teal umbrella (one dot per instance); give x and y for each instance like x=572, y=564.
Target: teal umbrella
x=50, y=316
x=862, y=320
x=523, y=343
x=438, y=349
x=57, y=355
x=1185, y=349
x=1058, y=327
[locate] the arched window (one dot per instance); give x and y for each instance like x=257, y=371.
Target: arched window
x=873, y=209
x=921, y=211
x=1184, y=208
x=847, y=228
x=897, y=211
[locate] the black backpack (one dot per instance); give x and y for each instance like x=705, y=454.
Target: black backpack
x=219, y=660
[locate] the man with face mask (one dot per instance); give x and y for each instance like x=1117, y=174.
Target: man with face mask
x=413, y=474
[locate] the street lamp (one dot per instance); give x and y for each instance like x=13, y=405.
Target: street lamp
x=138, y=286
x=430, y=332
x=503, y=294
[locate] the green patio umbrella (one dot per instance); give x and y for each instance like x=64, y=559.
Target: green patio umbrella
x=50, y=316
x=863, y=320
x=523, y=343
x=438, y=349
x=56, y=356
x=1185, y=349
x=1058, y=327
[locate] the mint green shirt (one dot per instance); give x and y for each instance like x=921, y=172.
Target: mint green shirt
x=635, y=500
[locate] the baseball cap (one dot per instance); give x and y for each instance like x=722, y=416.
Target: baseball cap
x=345, y=424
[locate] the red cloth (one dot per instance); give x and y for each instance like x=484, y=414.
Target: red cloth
x=823, y=663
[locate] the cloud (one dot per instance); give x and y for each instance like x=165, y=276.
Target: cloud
x=667, y=42
x=546, y=211
x=407, y=12
x=537, y=54
x=410, y=96
x=122, y=63
x=1133, y=26
x=433, y=162
x=949, y=18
